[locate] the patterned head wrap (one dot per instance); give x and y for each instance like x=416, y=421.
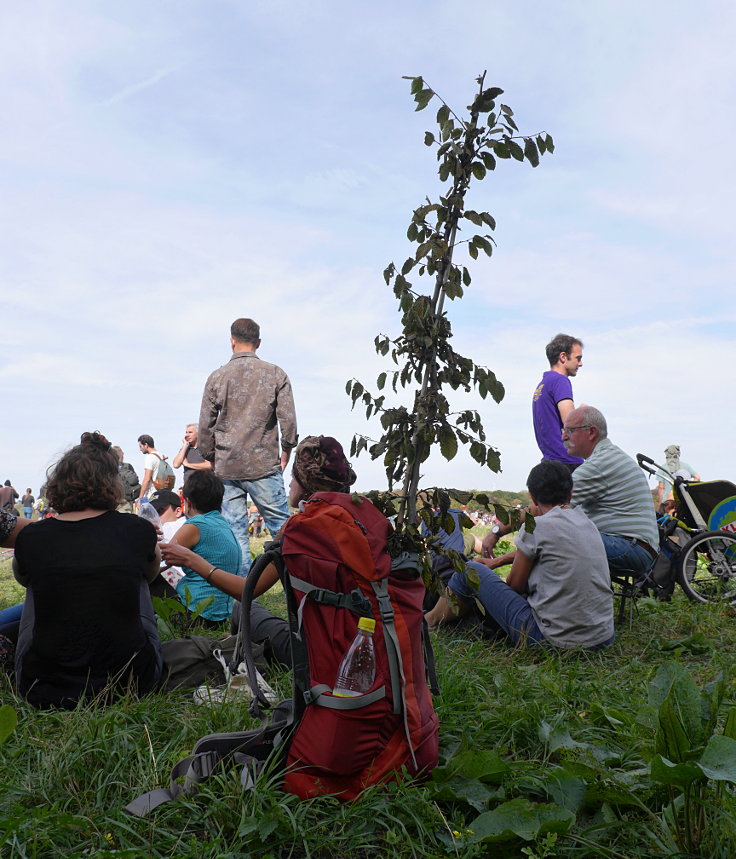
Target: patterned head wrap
x=320, y=465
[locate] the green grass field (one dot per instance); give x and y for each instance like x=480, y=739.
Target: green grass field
x=544, y=754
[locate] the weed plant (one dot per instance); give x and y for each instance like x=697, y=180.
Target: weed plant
x=543, y=754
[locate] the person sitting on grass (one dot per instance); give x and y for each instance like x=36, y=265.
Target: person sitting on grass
x=558, y=591
x=211, y=539
x=319, y=466
x=88, y=626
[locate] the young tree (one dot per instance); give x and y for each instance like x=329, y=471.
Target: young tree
x=467, y=151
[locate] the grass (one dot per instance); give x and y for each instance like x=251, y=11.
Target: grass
x=562, y=734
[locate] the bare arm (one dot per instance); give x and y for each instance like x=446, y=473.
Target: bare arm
x=500, y=561
x=187, y=536
x=178, y=460
x=518, y=578
x=155, y=566
x=490, y=540
x=564, y=407
x=285, y=454
x=226, y=582
x=147, y=474
x=198, y=466
x=9, y=541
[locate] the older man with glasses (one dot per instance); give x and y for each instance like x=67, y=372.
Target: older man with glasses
x=613, y=492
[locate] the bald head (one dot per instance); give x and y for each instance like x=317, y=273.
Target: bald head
x=584, y=427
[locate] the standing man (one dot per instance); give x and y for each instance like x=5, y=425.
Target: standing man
x=155, y=468
x=245, y=404
x=552, y=400
x=8, y=497
x=189, y=456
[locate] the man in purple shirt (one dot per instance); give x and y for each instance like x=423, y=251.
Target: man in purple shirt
x=552, y=400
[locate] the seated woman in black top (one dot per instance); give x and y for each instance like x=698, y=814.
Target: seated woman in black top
x=88, y=624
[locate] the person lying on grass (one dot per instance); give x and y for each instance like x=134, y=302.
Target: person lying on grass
x=319, y=466
x=558, y=591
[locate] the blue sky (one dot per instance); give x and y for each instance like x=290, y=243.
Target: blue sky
x=169, y=167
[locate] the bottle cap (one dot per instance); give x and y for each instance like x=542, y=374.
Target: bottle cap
x=367, y=623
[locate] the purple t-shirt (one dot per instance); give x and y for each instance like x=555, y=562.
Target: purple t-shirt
x=553, y=388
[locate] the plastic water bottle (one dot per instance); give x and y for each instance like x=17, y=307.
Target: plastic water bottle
x=357, y=670
x=148, y=511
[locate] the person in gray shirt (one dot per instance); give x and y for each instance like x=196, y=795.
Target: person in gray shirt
x=613, y=492
x=558, y=591
x=245, y=404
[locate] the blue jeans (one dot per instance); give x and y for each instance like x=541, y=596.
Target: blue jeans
x=625, y=555
x=510, y=610
x=28, y=512
x=268, y=495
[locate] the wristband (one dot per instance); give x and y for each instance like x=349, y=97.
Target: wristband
x=209, y=574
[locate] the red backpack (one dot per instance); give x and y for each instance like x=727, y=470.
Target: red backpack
x=334, y=565
x=337, y=569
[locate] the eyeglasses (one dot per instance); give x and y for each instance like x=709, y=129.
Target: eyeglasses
x=569, y=430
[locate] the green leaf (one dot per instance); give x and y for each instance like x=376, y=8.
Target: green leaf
x=473, y=793
x=428, y=138
x=448, y=442
x=671, y=739
x=466, y=277
x=416, y=85
x=473, y=251
x=530, y=152
x=485, y=765
x=729, y=729
x=488, y=160
x=479, y=171
x=696, y=643
x=501, y=149
x=520, y=818
x=493, y=460
x=718, y=761
x=673, y=685
x=472, y=577
x=515, y=150
x=680, y=775
x=8, y=722
x=381, y=381
x=549, y=144
x=443, y=115
x=423, y=98
x=505, y=109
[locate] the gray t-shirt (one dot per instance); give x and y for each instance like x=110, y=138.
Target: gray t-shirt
x=569, y=585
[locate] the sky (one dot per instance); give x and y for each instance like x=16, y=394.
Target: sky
x=167, y=168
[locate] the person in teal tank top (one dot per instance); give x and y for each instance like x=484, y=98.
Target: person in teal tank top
x=208, y=534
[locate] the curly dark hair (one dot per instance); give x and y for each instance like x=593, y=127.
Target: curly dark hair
x=86, y=476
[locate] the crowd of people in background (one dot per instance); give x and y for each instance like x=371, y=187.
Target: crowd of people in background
x=90, y=569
